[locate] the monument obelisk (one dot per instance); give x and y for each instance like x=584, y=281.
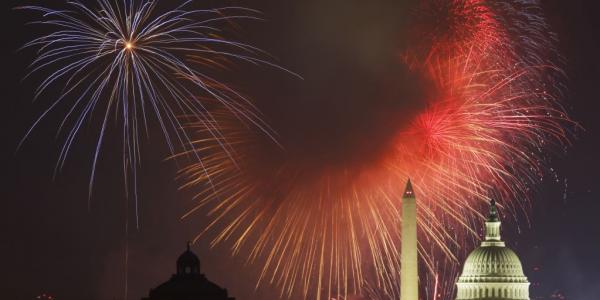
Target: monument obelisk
x=409, y=276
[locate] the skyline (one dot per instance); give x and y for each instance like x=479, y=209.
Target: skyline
x=50, y=228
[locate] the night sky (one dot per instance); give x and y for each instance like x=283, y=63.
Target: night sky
x=55, y=240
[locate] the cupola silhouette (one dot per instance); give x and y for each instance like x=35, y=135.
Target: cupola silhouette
x=188, y=263
x=188, y=283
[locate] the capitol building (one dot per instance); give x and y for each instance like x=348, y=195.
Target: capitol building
x=492, y=271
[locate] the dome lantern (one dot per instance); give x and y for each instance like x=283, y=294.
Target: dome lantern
x=188, y=263
x=492, y=228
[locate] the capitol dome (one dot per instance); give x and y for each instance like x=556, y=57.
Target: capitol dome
x=494, y=262
x=492, y=271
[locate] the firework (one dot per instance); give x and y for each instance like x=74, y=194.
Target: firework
x=131, y=62
x=332, y=229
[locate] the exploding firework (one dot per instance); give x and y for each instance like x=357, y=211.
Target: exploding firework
x=331, y=229
x=136, y=64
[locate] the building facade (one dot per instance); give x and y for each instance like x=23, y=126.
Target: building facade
x=492, y=271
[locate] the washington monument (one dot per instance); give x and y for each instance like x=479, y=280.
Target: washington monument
x=409, y=276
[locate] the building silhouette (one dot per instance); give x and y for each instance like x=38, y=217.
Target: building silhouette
x=188, y=283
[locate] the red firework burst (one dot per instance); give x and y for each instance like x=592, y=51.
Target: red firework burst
x=334, y=228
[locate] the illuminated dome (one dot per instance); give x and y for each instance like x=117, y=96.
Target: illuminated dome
x=492, y=271
x=497, y=263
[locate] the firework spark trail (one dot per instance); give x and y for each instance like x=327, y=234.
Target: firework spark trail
x=334, y=231
x=136, y=63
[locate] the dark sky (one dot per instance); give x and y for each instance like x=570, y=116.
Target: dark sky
x=52, y=242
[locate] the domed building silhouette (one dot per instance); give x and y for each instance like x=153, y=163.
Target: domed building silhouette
x=188, y=283
x=492, y=271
